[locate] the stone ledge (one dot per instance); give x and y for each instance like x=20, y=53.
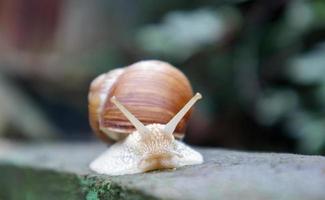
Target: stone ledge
x=60, y=171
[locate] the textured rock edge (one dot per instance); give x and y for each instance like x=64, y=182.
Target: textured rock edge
x=18, y=182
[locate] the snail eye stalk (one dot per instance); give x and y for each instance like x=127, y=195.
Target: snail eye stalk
x=134, y=121
x=171, y=125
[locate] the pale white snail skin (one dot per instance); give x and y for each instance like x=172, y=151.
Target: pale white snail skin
x=148, y=148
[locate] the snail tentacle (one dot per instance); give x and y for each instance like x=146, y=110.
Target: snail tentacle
x=135, y=122
x=172, y=124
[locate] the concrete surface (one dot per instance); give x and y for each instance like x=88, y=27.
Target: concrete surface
x=60, y=171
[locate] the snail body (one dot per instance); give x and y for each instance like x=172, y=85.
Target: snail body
x=144, y=109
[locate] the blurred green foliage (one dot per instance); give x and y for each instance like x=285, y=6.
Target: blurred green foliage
x=182, y=34
x=259, y=64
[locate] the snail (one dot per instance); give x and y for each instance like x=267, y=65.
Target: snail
x=143, y=109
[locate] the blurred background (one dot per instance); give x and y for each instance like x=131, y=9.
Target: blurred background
x=260, y=66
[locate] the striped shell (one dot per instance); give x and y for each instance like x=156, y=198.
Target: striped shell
x=153, y=91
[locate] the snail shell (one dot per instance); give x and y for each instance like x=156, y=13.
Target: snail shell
x=142, y=107
x=153, y=91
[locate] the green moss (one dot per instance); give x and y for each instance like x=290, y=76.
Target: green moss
x=92, y=195
x=96, y=188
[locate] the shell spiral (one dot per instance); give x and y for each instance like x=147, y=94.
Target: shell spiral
x=153, y=91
